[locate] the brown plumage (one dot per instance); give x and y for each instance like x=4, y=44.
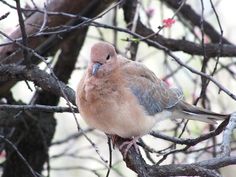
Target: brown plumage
x=123, y=97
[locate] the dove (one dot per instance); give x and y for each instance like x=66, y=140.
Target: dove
x=123, y=97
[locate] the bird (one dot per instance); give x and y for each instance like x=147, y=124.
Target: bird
x=122, y=97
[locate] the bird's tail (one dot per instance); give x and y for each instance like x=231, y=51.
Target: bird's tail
x=191, y=112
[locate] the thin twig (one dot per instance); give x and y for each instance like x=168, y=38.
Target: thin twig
x=37, y=108
x=220, y=39
x=45, y=18
x=23, y=33
x=20, y=155
x=4, y=16
x=192, y=142
x=110, y=155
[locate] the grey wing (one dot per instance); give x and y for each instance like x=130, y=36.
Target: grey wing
x=152, y=93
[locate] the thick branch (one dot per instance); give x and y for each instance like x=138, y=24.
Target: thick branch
x=181, y=170
x=227, y=136
x=40, y=78
x=204, y=168
x=211, y=50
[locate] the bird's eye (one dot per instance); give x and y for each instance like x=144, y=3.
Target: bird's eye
x=108, y=57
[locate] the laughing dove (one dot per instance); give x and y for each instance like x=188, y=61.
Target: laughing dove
x=123, y=97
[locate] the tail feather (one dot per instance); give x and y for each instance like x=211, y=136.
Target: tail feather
x=191, y=116
x=187, y=111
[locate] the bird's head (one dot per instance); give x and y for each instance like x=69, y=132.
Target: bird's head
x=103, y=59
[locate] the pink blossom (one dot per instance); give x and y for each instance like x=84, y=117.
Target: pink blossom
x=168, y=22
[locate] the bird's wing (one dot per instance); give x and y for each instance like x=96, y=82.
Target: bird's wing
x=152, y=93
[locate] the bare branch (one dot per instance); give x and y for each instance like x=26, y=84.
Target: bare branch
x=71, y=137
x=4, y=16
x=192, y=142
x=227, y=136
x=39, y=77
x=23, y=33
x=37, y=108
x=189, y=14
x=20, y=155
x=181, y=170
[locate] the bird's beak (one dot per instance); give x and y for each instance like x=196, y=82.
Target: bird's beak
x=95, y=69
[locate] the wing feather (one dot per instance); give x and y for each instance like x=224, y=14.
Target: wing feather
x=152, y=93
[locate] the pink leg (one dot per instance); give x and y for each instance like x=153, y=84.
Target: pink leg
x=129, y=144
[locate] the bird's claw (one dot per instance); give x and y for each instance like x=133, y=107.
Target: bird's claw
x=128, y=145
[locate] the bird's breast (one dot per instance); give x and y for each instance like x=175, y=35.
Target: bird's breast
x=115, y=110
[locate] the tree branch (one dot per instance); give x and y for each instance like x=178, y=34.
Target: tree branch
x=188, y=13
x=23, y=33
x=227, y=136
x=37, y=108
x=39, y=77
x=192, y=142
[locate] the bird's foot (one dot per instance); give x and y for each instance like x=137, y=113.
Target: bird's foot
x=129, y=144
